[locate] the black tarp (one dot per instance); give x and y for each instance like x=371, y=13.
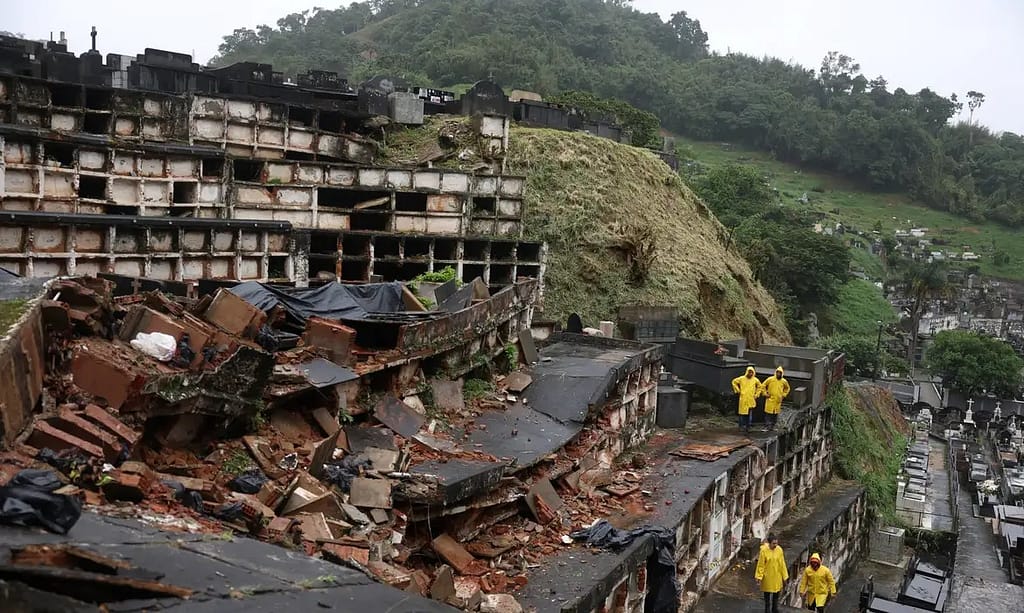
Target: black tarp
x=29, y=500
x=662, y=583
x=330, y=301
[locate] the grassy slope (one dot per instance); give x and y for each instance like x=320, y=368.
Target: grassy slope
x=859, y=308
x=584, y=196
x=855, y=207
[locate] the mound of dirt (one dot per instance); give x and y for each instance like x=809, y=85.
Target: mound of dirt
x=621, y=228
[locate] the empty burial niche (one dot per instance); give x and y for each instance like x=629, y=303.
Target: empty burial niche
x=446, y=249
x=367, y=221
x=485, y=207
x=325, y=264
x=65, y=95
x=410, y=202
x=528, y=252
x=398, y=271
x=186, y=192
x=352, y=198
x=277, y=267
x=301, y=117
x=299, y=156
x=417, y=247
x=61, y=153
x=354, y=270
x=355, y=245
x=501, y=274
x=94, y=188
x=385, y=247
x=324, y=243
x=332, y=122
x=99, y=99
x=247, y=170
x=502, y=250
x=528, y=271
x=212, y=167
x=475, y=250
x=472, y=271
x=96, y=123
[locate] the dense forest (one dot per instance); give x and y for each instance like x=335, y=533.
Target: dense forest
x=832, y=117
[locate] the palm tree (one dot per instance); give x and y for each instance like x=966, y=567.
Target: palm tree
x=922, y=283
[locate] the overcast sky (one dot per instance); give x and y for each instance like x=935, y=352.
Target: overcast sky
x=951, y=46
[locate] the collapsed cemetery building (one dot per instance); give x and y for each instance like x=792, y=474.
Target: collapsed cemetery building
x=225, y=315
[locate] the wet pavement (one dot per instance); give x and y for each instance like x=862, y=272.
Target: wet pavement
x=980, y=585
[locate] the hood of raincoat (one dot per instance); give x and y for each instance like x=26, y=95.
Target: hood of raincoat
x=779, y=371
x=750, y=370
x=815, y=557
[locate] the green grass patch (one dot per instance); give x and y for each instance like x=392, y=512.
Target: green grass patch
x=473, y=389
x=863, y=454
x=859, y=308
x=837, y=199
x=10, y=312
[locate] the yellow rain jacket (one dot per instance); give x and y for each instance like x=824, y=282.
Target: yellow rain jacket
x=775, y=388
x=816, y=585
x=749, y=388
x=771, y=568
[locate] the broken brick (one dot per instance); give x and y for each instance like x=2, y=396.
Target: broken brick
x=103, y=376
x=370, y=493
x=46, y=435
x=420, y=583
x=443, y=586
x=468, y=595
x=87, y=431
x=234, y=315
x=379, y=516
x=500, y=603
x=391, y=575
x=455, y=554
x=313, y=527
x=131, y=487
x=326, y=421
x=108, y=421
x=335, y=338
x=346, y=553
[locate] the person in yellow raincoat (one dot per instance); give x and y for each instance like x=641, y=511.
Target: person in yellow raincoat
x=771, y=572
x=775, y=389
x=749, y=388
x=817, y=584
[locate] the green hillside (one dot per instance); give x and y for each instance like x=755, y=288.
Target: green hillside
x=838, y=199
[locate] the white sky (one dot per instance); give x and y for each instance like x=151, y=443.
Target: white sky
x=948, y=45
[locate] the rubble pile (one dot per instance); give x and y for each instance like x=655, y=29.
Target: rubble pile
x=245, y=411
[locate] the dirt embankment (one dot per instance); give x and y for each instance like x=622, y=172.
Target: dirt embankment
x=622, y=228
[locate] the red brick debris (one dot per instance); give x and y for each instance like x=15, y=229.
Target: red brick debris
x=228, y=433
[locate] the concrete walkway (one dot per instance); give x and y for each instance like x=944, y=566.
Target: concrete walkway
x=980, y=585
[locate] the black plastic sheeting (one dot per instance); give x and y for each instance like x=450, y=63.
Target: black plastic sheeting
x=28, y=500
x=662, y=583
x=249, y=482
x=342, y=473
x=330, y=301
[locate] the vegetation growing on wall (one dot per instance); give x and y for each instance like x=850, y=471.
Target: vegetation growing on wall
x=869, y=435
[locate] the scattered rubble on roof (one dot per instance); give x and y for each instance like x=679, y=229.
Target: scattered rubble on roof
x=347, y=434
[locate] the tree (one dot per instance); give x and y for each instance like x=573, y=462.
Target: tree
x=922, y=283
x=974, y=363
x=974, y=102
x=691, y=39
x=861, y=352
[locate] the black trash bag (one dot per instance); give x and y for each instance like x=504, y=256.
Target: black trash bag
x=190, y=498
x=662, y=582
x=74, y=464
x=229, y=511
x=248, y=482
x=341, y=473
x=28, y=500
